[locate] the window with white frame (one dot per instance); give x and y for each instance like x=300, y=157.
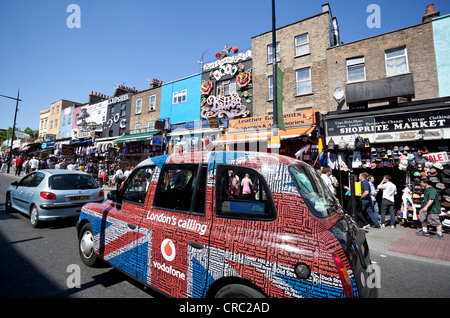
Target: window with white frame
x=152, y=103
x=396, y=61
x=270, y=53
x=150, y=126
x=137, y=128
x=301, y=44
x=356, y=69
x=138, y=106
x=270, y=97
x=303, y=81
x=226, y=88
x=179, y=97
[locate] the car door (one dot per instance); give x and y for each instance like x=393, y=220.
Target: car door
x=181, y=230
x=126, y=246
x=19, y=196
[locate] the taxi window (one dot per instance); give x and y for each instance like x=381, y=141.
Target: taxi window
x=137, y=184
x=181, y=187
x=313, y=190
x=241, y=192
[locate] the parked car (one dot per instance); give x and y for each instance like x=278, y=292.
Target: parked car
x=228, y=224
x=52, y=194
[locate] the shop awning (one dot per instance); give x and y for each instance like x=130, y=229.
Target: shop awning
x=137, y=137
x=258, y=136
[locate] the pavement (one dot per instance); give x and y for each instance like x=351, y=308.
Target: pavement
x=400, y=241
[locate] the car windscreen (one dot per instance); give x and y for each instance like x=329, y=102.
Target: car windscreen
x=313, y=190
x=72, y=182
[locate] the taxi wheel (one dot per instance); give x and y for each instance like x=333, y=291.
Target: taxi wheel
x=86, y=246
x=34, y=216
x=238, y=291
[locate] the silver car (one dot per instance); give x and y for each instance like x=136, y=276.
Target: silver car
x=49, y=194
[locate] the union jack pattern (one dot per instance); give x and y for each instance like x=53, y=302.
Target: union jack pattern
x=263, y=252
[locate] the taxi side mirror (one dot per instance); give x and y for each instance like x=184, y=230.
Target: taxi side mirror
x=113, y=195
x=15, y=183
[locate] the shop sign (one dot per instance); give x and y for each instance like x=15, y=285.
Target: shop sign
x=437, y=156
x=230, y=106
x=437, y=119
x=157, y=141
x=118, y=99
x=46, y=145
x=291, y=120
x=227, y=60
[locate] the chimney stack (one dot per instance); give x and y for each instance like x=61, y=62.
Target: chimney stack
x=430, y=14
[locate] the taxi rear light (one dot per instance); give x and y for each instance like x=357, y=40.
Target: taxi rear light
x=48, y=196
x=345, y=277
x=101, y=193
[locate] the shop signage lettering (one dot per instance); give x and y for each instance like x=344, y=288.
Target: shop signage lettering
x=291, y=120
x=384, y=124
x=230, y=59
x=231, y=106
x=437, y=156
x=118, y=99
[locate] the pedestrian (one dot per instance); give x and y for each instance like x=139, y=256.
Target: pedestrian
x=389, y=191
x=429, y=213
x=4, y=164
x=247, y=185
x=19, y=165
x=326, y=177
x=366, y=200
x=373, y=194
x=26, y=165
x=233, y=185
x=118, y=177
x=34, y=163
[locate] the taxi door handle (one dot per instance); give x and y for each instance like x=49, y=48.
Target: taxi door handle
x=132, y=226
x=196, y=245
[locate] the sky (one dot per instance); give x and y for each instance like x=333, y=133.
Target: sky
x=132, y=42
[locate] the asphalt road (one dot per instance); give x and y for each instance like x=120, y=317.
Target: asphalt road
x=44, y=263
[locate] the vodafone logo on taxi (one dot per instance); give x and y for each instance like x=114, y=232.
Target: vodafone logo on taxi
x=168, y=250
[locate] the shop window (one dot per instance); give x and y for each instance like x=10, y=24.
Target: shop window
x=226, y=88
x=137, y=128
x=301, y=45
x=270, y=88
x=139, y=106
x=152, y=103
x=123, y=110
x=179, y=97
x=303, y=81
x=242, y=193
x=396, y=61
x=356, y=70
x=270, y=53
x=137, y=184
x=181, y=187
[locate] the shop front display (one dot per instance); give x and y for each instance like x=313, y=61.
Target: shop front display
x=409, y=143
x=299, y=140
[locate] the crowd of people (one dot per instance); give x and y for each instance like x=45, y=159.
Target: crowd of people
x=108, y=174
x=369, y=215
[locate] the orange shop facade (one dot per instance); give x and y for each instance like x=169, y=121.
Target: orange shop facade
x=254, y=134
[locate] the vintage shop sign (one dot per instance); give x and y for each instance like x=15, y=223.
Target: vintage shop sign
x=230, y=106
x=436, y=119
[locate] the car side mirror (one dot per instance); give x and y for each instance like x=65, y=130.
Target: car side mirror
x=15, y=183
x=113, y=195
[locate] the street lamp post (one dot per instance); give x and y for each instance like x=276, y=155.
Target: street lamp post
x=274, y=78
x=14, y=127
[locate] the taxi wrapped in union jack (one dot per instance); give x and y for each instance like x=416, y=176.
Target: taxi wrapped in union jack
x=228, y=224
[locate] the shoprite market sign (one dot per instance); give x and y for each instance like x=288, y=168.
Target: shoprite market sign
x=436, y=119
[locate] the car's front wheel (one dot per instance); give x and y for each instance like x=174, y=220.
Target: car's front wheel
x=86, y=246
x=34, y=216
x=8, y=204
